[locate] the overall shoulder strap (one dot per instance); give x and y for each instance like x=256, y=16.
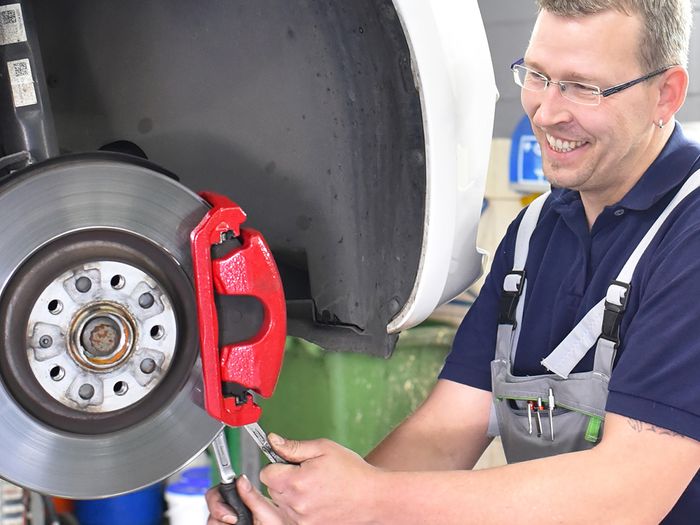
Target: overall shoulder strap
x=571, y=350
x=527, y=226
x=515, y=282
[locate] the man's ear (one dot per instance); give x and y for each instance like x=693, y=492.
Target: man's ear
x=673, y=87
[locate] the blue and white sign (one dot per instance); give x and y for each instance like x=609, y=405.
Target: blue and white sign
x=526, y=173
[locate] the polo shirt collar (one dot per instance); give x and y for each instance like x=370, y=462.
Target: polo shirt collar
x=668, y=171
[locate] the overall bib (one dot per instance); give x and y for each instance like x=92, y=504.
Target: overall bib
x=549, y=414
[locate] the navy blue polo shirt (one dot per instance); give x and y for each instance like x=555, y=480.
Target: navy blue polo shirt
x=656, y=377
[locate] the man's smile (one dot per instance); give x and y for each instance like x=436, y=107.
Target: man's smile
x=563, y=145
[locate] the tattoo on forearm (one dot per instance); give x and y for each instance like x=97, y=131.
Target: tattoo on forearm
x=640, y=426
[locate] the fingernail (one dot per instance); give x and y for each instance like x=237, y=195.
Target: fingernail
x=276, y=440
x=244, y=483
x=230, y=518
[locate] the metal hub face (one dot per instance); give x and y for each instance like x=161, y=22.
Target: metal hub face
x=101, y=336
x=100, y=381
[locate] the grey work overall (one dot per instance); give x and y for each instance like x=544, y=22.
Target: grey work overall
x=561, y=412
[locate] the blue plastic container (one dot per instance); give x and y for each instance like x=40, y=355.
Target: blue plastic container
x=143, y=507
x=197, y=473
x=185, y=497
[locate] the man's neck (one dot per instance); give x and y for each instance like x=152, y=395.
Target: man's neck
x=594, y=202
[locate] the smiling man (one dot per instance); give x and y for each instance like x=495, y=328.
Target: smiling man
x=600, y=149
x=583, y=348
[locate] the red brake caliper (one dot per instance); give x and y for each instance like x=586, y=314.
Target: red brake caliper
x=231, y=372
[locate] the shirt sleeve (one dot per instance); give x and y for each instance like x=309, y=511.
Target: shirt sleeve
x=657, y=377
x=474, y=345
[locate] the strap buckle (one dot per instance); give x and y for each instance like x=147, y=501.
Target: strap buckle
x=616, y=300
x=513, y=285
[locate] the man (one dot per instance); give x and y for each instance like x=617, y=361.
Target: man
x=616, y=159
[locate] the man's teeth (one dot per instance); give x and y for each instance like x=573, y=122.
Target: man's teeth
x=563, y=146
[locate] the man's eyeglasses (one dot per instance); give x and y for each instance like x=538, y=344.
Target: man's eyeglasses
x=578, y=92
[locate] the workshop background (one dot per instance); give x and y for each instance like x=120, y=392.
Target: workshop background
x=359, y=399
x=356, y=399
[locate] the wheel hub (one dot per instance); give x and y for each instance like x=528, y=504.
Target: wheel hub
x=101, y=336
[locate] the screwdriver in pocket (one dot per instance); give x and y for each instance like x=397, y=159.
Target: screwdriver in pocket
x=538, y=419
x=550, y=409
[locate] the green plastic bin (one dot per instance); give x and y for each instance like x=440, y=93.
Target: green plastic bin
x=354, y=399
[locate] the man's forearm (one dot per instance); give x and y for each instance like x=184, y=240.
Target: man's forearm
x=552, y=490
x=625, y=482
x=426, y=441
x=405, y=449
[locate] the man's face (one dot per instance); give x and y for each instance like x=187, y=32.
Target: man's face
x=598, y=150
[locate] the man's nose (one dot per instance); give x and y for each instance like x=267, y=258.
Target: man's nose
x=550, y=106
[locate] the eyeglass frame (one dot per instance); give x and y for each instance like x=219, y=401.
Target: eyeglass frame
x=602, y=93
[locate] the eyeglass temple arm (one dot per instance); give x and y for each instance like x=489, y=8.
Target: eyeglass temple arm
x=616, y=89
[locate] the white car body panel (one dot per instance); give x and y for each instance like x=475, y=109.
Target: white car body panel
x=454, y=75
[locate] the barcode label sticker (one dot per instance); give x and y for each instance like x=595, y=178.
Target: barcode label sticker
x=11, y=25
x=23, y=91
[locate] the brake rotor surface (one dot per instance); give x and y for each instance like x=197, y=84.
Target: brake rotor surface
x=100, y=380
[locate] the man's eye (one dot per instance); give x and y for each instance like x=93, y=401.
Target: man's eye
x=582, y=89
x=535, y=78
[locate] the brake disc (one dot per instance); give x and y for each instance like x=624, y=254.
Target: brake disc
x=100, y=381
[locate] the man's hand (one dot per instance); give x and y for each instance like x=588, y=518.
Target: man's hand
x=264, y=511
x=330, y=484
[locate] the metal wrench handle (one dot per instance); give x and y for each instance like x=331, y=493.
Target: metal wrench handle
x=227, y=488
x=260, y=438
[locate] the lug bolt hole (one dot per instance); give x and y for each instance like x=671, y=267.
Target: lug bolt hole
x=83, y=284
x=45, y=341
x=55, y=306
x=57, y=373
x=157, y=332
x=148, y=366
x=146, y=300
x=117, y=282
x=120, y=388
x=86, y=391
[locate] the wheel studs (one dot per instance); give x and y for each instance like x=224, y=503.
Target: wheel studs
x=86, y=391
x=148, y=366
x=146, y=300
x=83, y=284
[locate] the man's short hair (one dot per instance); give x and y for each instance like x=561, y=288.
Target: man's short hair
x=666, y=33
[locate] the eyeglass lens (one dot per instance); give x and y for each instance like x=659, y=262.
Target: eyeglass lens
x=574, y=91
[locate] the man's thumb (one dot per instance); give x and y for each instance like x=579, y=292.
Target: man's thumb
x=295, y=451
x=264, y=512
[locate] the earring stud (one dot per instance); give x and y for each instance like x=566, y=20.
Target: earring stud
x=661, y=124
